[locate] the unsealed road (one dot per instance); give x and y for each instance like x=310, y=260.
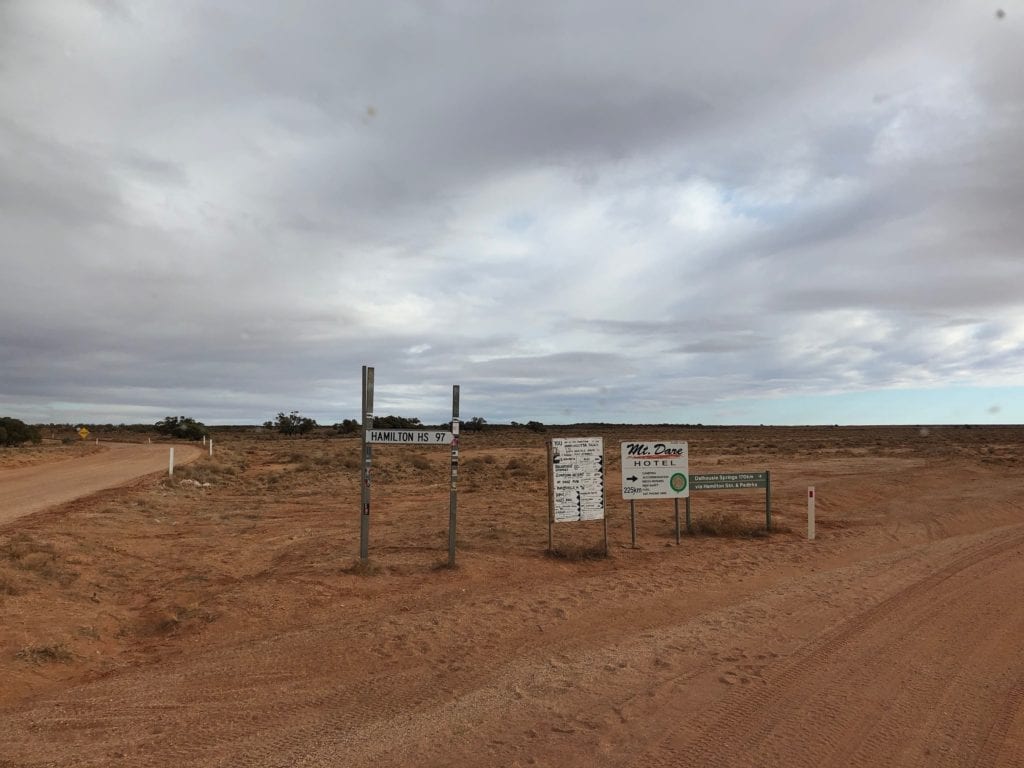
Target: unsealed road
x=31, y=489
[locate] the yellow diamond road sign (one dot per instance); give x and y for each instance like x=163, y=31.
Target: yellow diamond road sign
x=83, y=432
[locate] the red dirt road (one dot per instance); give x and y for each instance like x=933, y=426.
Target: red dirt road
x=34, y=488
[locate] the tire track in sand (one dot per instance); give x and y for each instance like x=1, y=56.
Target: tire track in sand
x=744, y=729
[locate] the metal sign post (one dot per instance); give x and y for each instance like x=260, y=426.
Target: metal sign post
x=421, y=437
x=734, y=481
x=367, y=453
x=453, y=502
x=654, y=470
x=676, y=503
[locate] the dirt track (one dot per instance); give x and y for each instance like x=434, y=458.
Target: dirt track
x=33, y=488
x=225, y=627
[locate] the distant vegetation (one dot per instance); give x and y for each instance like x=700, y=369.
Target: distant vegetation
x=347, y=427
x=292, y=423
x=182, y=428
x=396, y=422
x=15, y=432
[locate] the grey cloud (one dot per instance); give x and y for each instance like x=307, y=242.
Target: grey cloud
x=233, y=208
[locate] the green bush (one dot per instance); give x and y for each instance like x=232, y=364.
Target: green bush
x=15, y=432
x=292, y=424
x=182, y=427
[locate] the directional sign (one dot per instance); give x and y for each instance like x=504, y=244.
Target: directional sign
x=729, y=481
x=577, y=472
x=83, y=432
x=655, y=470
x=409, y=436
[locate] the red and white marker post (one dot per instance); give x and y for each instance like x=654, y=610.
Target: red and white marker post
x=810, y=513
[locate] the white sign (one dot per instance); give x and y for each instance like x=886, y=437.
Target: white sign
x=655, y=470
x=409, y=436
x=577, y=472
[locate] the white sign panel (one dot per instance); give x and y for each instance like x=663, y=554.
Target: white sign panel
x=655, y=470
x=577, y=471
x=409, y=436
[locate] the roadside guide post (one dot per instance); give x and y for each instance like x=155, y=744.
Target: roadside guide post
x=170, y=464
x=810, y=513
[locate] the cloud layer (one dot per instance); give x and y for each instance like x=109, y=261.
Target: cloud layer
x=582, y=212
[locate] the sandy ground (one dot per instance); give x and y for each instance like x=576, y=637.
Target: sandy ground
x=164, y=624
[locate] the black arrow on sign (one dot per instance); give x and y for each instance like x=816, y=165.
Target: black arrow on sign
x=632, y=479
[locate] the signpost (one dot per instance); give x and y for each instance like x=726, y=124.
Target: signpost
x=654, y=470
x=734, y=481
x=371, y=437
x=83, y=432
x=410, y=437
x=575, y=482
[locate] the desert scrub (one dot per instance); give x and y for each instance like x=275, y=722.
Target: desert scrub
x=45, y=654
x=728, y=525
x=27, y=554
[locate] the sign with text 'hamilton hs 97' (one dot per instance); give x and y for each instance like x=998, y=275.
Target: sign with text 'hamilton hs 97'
x=655, y=470
x=577, y=473
x=409, y=436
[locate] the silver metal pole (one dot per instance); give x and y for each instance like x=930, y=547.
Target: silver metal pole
x=632, y=521
x=676, y=503
x=453, y=500
x=367, y=455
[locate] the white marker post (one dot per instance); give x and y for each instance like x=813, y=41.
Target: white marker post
x=810, y=513
x=204, y=441
x=211, y=447
x=170, y=465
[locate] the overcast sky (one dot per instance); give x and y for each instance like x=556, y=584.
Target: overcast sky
x=729, y=212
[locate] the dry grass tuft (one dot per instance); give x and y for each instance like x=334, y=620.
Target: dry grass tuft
x=45, y=654
x=364, y=568
x=22, y=544
x=419, y=462
x=728, y=525
x=39, y=557
x=9, y=584
x=156, y=622
x=575, y=553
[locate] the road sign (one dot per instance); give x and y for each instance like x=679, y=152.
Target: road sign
x=577, y=473
x=655, y=470
x=83, y=432
x=729, y=481
x=409, y=437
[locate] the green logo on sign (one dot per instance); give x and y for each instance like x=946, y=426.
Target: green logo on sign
x=677, y=482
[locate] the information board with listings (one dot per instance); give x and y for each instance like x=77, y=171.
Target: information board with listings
x=577, y=476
